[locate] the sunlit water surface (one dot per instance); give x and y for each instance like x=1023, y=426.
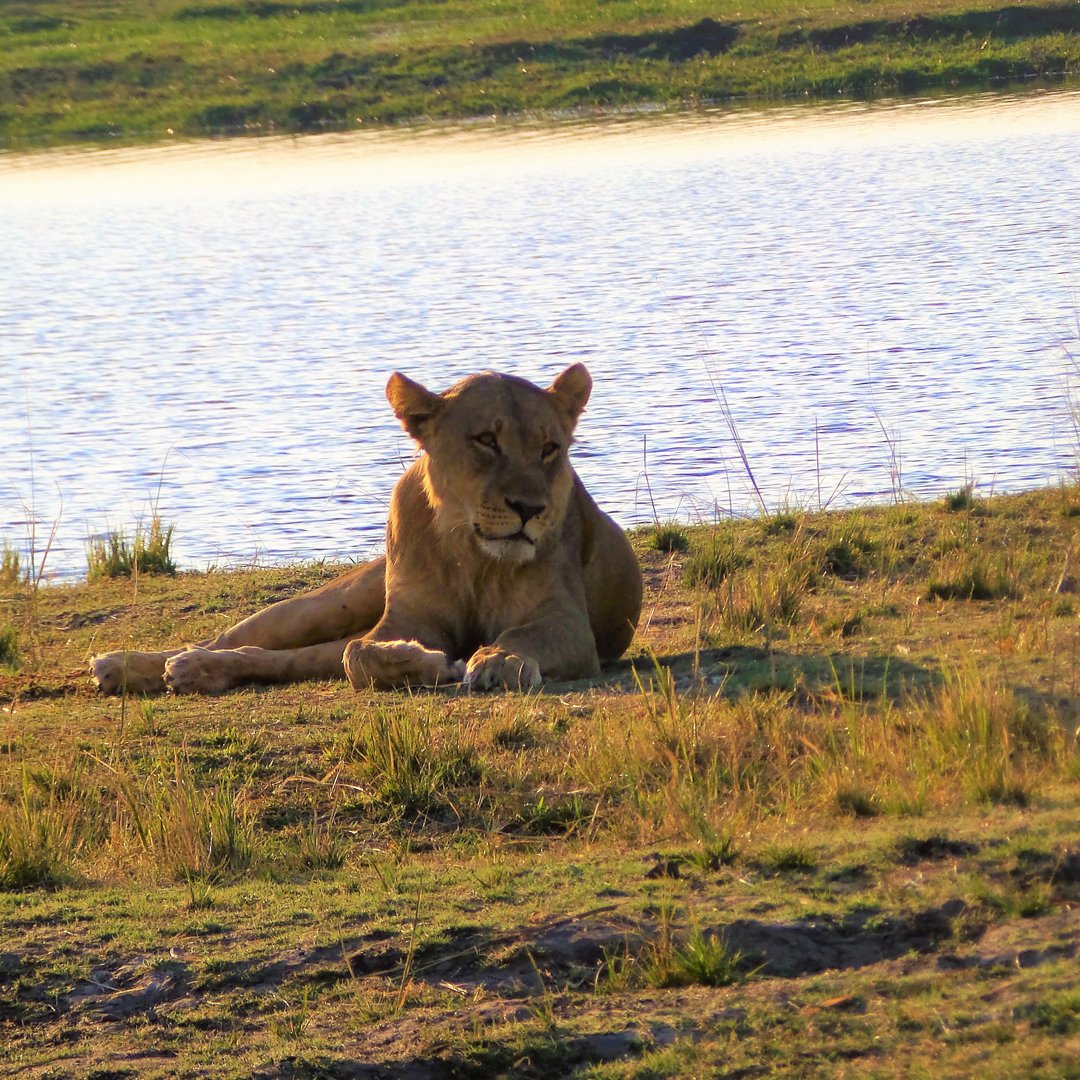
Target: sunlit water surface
x=208, y=328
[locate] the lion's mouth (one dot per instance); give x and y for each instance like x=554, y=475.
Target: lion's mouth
x=520, y=535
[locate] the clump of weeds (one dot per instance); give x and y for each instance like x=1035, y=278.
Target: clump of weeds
x=114, y=555
x=764, y=596
x=411, y=775
x=11, y=571
x=793, y=858
x=669, y=537
x=974, y=575
x=713, y=560
x=9, y=647
x=189, y=830
x=45, y=829
x=849, y=552
x=696, y=958
x=963, y=499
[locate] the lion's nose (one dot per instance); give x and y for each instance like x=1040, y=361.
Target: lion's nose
x=526, y=511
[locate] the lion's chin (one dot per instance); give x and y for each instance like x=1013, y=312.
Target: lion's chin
x=515, y=549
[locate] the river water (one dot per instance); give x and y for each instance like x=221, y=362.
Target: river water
x=871, y=298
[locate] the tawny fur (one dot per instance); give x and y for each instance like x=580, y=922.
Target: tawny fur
x=500, y=570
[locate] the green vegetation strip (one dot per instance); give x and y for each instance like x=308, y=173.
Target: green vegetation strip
x=149, y=69
x=822, y=821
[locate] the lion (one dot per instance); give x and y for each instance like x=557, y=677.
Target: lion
x=500, y=570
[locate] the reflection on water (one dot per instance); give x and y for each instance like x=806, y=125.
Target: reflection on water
x=209, y=327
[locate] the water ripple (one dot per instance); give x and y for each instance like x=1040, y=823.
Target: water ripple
x=210, y=332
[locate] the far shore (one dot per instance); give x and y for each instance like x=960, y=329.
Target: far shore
x=131, y=70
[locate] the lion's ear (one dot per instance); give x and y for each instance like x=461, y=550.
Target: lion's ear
x=572, y=388
x=413, y=404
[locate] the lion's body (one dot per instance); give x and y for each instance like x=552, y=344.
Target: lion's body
x=500, y=569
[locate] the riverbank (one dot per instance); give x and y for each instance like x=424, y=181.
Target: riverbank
x=155, y=69
x=824, y=812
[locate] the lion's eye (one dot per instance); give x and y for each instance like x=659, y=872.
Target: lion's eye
x=549, y=450
x=487, y=440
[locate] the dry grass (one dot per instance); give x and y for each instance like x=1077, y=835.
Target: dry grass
x=779, y=731
x=877, y=663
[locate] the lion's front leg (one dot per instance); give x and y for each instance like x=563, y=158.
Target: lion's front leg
x=213, y=671
x=346, y=607
x=556, y=643
x=392, y=665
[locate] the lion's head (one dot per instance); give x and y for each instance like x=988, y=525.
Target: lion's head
x=497, y=468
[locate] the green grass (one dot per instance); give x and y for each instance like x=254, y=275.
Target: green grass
x=150, y=69
x=695, y=959
x=114, y=556
x=1059, y=1014
x=962, y=499
x=9, y=647
x=669, y=537
x=789, y=858
x=849, y=552
x=11, y=571
x=409, y=776
x=746, y=847
x=713, y=560
x=42, y=830
x=973, y=575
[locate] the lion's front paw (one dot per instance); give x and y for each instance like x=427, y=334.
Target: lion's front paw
x=130, y=672
x=394, y=664
x=492, y=668
x=203, y=671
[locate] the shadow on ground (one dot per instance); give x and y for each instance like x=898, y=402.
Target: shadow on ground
x=742, y=669
x=1007, y=23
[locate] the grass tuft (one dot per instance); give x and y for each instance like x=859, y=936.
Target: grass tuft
x=42, y=833
x=410, y=777
x=11, y=571
x=190, y=831
x=782, y=523
x=704, y=959
x=962, y=499
x=9, y=648
x=715, y=852
x=973, y=727
x=794, y=858
x=669, y=538
x=322, y=847
x=974, y=575
x=857, y=802
x=700, y=958
x=114, y=556
x=710, y=563
x=849, y=552
x=765, y=596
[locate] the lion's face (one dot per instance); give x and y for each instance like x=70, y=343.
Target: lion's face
x=497, y=467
